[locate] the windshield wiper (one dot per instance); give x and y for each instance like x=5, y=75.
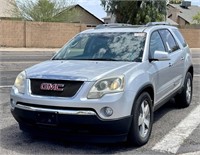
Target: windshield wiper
x=92, y=59
x=101, y=59
x=65, y=59
x=57, y=59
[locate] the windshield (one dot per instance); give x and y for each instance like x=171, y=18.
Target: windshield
x=123, y=46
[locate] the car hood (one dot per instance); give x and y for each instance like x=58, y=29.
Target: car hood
x=78, y=70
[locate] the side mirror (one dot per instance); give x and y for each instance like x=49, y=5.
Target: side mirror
x=161, y=56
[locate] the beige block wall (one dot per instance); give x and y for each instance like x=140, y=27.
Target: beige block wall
x=50, y=34
x=1, y=34
x=192, y=36
x=38, y=34
x=12, y=33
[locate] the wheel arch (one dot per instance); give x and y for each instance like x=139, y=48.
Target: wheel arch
x=191, y=70
x=134, y=136
x=147, y=88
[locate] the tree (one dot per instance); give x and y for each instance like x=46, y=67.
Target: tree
x=136, y=12
x=41, y=10
x=196, y=18
x=175, y=1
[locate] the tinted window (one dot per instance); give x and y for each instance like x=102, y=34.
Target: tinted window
x=180, y=37
x=169, y=41
x=156, y=44
x=123, y=46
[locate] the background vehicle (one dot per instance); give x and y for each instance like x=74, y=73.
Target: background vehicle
x=106, y=83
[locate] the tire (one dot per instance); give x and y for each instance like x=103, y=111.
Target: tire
x=184, y=99
x=142, y=121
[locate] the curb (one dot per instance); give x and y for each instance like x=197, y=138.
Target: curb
x=28, y=49
x=2, y=49
x=195, y=49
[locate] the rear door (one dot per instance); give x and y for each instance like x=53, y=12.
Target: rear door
x=176, y=64
x=184, y=47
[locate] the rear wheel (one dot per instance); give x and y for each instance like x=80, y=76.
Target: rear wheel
x=141, y=127
x=185, y=97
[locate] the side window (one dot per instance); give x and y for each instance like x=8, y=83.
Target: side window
x=169, y=41
x=180, y=37
x=156, y=44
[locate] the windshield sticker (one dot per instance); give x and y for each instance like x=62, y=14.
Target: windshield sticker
x=139, y=34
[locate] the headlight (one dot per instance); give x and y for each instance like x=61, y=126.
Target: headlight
x=106, y=86
x=20, y=82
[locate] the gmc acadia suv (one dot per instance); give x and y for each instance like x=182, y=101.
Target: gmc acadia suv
x=106, y=83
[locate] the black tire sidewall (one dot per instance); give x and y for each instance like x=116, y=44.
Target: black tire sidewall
x=181, y=99
x=188, y=76
x=134, y=135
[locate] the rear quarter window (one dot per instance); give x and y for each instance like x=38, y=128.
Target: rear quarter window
x=180, y=37
x=169, y=41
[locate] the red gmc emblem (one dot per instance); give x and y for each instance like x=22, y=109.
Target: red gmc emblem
x=50, y=86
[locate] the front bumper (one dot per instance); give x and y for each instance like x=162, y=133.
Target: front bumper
x=74, y=124
x=121, y=103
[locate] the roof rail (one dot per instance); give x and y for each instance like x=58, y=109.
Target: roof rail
x=157, y=23
x=116, y=25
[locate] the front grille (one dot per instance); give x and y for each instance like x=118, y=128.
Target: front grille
x=69, y=88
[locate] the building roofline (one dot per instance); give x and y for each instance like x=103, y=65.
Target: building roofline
x=184, y=19
x=77, y=5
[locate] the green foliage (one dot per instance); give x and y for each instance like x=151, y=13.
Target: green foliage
x=196, y=18
x=175, y=1
x=136, y=12
x=42, y=10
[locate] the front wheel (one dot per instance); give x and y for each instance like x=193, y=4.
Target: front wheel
x=185, y=97
x=141, y=127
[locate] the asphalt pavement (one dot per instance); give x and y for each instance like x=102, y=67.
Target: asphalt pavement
x=175, y=131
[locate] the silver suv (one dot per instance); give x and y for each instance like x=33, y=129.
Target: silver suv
x=106, y=83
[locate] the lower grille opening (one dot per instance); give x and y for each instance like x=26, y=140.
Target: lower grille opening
x=53, y=107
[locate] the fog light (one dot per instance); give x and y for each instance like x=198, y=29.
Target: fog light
x=107, y=111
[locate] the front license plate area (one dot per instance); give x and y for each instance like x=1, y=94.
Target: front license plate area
x=44, y=118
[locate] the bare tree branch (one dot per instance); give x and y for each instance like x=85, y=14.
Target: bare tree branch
x=42, y=10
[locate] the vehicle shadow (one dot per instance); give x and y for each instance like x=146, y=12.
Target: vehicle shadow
x=162, y=111
x=14, y=140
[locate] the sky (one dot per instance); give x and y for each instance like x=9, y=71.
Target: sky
x=195, y=2
x=96, y=9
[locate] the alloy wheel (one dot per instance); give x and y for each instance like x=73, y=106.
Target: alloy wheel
x=144, y=119
x=188, y=91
